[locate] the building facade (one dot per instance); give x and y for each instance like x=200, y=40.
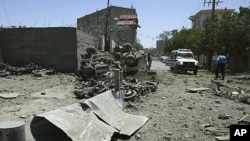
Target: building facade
x=115, y=23
x=199, y=20
x=160, y=44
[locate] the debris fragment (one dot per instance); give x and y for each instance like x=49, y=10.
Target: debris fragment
x=223, y=116
x=223, y=138
x=230, y=93
x=197, y=89
x=9, y=95
x=245, y=120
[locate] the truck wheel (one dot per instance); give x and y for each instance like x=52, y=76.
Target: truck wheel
x=130, y=61
x=176, y=69
x=171, y=68
x=195, y=72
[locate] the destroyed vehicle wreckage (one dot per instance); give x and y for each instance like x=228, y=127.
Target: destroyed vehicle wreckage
x=97, y=69
x=95, y=63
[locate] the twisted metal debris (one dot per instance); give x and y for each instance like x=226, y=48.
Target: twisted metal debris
x=97, y=71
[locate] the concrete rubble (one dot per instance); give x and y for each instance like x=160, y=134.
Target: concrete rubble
x=234, y=93
x=31, y=68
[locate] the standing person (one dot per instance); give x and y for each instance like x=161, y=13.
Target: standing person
x=149, y=61
x=221, y=63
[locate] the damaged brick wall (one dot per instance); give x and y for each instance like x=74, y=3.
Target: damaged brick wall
x=48, y=47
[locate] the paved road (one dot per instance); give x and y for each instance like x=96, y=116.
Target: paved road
x=157, y=65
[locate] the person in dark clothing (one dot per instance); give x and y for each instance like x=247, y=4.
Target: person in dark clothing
x=221, y=63
x=149, y=61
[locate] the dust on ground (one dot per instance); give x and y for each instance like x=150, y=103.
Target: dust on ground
x=174, y=113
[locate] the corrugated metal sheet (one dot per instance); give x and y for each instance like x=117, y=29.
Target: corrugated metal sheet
x=70, y=124
x=106, y=108
x=79, y=121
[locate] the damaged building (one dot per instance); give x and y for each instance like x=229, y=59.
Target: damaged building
x=117, y=24
x=60, y=48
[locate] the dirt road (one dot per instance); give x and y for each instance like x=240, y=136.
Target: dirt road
x=174, y=113
x=177, y=114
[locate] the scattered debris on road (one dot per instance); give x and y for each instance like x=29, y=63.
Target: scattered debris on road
x=234, y=93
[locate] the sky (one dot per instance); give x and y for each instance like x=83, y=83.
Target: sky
x=155, y=16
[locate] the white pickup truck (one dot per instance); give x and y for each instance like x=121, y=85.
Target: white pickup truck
x=182, y=60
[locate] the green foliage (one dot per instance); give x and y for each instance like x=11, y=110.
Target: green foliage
x=235, y=31
x=211, y=34
x=137, y=45
x=230, y=34
x=164, y=35
x=151, y=51
x=185, y=38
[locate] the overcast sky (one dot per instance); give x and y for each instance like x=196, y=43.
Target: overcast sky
x=155, y=16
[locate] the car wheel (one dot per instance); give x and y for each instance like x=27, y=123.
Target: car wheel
x=195, y=72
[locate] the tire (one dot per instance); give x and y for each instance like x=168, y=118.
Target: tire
x=90, y=50
x=176, y=69
x=195, y=72
x=130, y=61
x=171, y=68
x=88, y=70
x=129, y=94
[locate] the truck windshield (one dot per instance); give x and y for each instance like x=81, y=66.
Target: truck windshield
x=185, y=55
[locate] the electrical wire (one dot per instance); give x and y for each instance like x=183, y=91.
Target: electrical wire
x=185, y=22
x=5, y=11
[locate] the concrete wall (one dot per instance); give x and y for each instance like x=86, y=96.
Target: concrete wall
x=85, y=41
x=1, y=54
x=48, y=47
x=58, y=48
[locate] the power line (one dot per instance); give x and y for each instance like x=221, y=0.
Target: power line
x=187, y=20
x=213, y=2
x=5, y=11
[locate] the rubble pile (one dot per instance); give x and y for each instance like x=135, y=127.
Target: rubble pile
x=31, y=68
x=131, y=87
x=238, y=93
x=97, y=72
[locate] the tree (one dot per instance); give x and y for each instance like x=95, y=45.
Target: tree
x=137, y=45
x=185, y=38
x=151, y=51
x=164, y=35
x=235, y=36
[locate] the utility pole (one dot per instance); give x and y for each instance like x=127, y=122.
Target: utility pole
x=211, y=31
x=106, y=28
x=214, y=2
